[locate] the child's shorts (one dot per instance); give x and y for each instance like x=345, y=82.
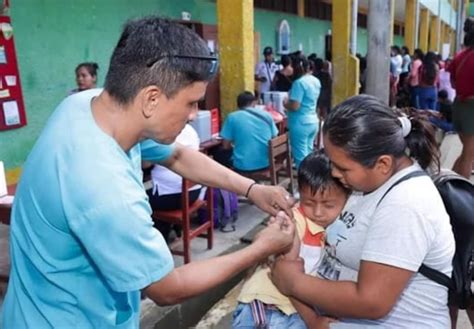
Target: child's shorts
x=275, y=319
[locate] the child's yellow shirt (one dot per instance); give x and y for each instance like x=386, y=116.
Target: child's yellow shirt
x=259, y=285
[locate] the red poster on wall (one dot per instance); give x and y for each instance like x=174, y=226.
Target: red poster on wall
x=12, y=109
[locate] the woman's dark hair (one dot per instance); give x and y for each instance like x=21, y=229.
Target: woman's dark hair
x=245, y=99
x=430, y=67
x=418, y=53
x=366, y=129
x=396, y=49
x=469, y=32
x=300, y=66
x=91, y=67
x=285, y=60
x=318, y=64
x=156, y=51
x=405, y=50
x=315, y=173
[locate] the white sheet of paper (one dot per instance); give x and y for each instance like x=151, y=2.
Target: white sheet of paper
x=11, y=113
x=3, y=57
x=3, y=181
x=10, y=80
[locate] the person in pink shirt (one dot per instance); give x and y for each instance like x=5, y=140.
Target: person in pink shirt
x=413, y=77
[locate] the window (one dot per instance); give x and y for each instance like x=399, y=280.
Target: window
x=284, y=38
x=318, y=9
x=287, y=6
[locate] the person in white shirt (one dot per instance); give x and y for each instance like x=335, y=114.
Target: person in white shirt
x=377, y=245
x=165, y=193
x=396, y=62
x=265, y=70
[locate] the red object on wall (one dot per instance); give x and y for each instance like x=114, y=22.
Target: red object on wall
x=10, y=91
x=215, y=122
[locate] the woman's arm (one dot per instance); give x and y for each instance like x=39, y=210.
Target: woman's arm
x=373, y=296
x=291, y=105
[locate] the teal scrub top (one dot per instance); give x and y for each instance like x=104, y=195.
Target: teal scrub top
x=250, y=134
x=304, y=90
x=82, y=240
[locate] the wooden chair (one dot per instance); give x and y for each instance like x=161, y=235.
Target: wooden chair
x=279, y=155
x=182, y=217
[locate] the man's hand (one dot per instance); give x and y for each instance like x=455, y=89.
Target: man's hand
x=272, y=199
x=285, y=272
x=277, y=237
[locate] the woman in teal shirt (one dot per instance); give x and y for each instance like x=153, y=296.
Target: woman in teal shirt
x=301, y=107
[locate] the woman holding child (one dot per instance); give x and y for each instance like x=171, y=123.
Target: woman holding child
x=374, y=249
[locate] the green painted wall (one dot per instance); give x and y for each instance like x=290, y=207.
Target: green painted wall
x=53, y=36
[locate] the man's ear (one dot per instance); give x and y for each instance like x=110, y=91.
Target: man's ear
x=385, y=164
x=150, y=98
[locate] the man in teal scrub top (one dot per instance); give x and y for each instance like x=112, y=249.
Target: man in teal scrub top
x=82, y=240
x=247, y=132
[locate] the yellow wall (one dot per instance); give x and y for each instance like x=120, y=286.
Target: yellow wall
x=235, y=26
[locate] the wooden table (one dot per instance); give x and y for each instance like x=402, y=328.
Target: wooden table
x=5, y=208
x=205, y=147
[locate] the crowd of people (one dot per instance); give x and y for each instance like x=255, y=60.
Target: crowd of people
x=83, y=245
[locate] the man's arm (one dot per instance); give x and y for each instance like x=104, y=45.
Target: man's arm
x=199, y=168
x=197, y=277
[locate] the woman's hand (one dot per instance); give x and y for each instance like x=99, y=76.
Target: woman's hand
x=285, y=272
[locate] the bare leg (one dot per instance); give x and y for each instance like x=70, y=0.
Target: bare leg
x=463, y=164
x=453, y=314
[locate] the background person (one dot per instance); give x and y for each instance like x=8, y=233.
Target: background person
x=265, y=71
x=86, y=76
x=428, y=80
x=165, y=193
x=283, y=77
x=301, y=107
x=247, y=132
x=462, y=76
x=414, y=77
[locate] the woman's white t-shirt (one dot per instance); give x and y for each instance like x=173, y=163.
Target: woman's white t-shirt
x=408, y=228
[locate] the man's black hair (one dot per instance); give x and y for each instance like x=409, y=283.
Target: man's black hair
x=245, y=99
x=315, y=173
x=144, y=57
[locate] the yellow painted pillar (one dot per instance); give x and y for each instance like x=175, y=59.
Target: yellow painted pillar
x=434, y=34
x=424, y=29
x=410, y=24
x=345, y=75
x=235, y=36
x=453, y=42
x=392, y=21
x=13, y=175
x=300, y=8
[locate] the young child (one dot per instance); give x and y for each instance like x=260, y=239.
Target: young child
x=322, y=198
